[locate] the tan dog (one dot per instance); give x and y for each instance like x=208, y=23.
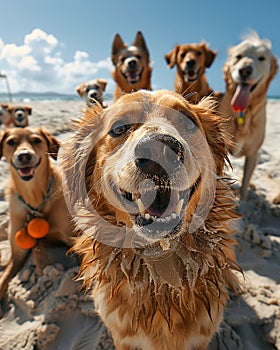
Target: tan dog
x=248, y=72
x=191, y=61
x=156, y=215
x=92, y=91
x=15, y=116
x=34, y=189
x=132, y=65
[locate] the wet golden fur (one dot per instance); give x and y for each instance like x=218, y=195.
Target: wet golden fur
x=247, y=138
x=193, y=58
x=39, y=144
x=164, y=292
x=127, y=60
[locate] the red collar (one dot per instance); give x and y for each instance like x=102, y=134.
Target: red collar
x=9, y=122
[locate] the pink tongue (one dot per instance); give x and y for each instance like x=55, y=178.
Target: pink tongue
x=240, y=100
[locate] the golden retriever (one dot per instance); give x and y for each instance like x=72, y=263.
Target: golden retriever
x=191, y=61
x=146, y=179
x=248, y=71
x=34, y=190
x=92, y=91
x=132, y=69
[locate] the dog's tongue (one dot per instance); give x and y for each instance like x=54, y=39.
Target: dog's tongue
x=240, y=100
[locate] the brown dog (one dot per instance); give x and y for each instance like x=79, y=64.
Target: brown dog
x=191, y=61
x=34, y=190
x=248, y=72
x=156, y=215
x=15, y=116
x=132, y=65
x=92, y=91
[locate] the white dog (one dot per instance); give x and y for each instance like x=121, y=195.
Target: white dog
x=248, y=72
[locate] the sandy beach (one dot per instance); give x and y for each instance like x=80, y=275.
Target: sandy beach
x=53, y=312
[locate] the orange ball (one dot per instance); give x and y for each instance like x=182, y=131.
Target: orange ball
x=38, y=227
x=23, y=240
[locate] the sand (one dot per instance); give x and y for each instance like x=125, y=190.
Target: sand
x=54, y=312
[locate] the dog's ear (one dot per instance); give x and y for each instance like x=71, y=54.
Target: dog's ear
x=4, y=105
x=117, y=45
x=171, y=57
x=28, y=110
x=209, y=55
x=139, y=41
x=53, y=143
x=10, y=109
x=80, y=89
x=3, y=135
x=273, y=68
x=102, y=83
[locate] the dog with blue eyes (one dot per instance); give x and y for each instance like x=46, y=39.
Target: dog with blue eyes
x=92, y=91
x=145, y=180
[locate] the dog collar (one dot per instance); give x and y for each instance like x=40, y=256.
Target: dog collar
x=37, y=211
x=9, y=122
x=240, y=119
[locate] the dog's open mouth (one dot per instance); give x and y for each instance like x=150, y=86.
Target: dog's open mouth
x=26, y=173
x=133, y=76
x=160, y=210
x=191, y=75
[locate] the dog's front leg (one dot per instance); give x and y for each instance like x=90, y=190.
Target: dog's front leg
x=249, y=167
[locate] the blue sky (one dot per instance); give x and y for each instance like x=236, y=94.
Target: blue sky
x=52, y=45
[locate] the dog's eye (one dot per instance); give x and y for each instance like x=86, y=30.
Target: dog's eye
x=11, y=142
x=119, y=129
x=238, y=57
x=261, y=58
x=183, y=54
x=36, y=140
x=198, y=53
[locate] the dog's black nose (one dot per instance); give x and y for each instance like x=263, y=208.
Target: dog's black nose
x=245, y=72
x=191, y=64
x=132, y=64
x=159, y=154
x=24, y=156
x=93, y=95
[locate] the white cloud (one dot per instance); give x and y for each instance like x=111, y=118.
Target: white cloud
x=38, y=66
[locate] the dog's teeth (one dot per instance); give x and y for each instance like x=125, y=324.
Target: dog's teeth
x=179, y=207
x=141, y=206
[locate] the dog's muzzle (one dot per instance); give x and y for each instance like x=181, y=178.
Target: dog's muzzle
x=25, y=162
x=160, y=204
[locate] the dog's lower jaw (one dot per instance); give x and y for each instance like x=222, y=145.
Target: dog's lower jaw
x=190, y=78
x=133, y=77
